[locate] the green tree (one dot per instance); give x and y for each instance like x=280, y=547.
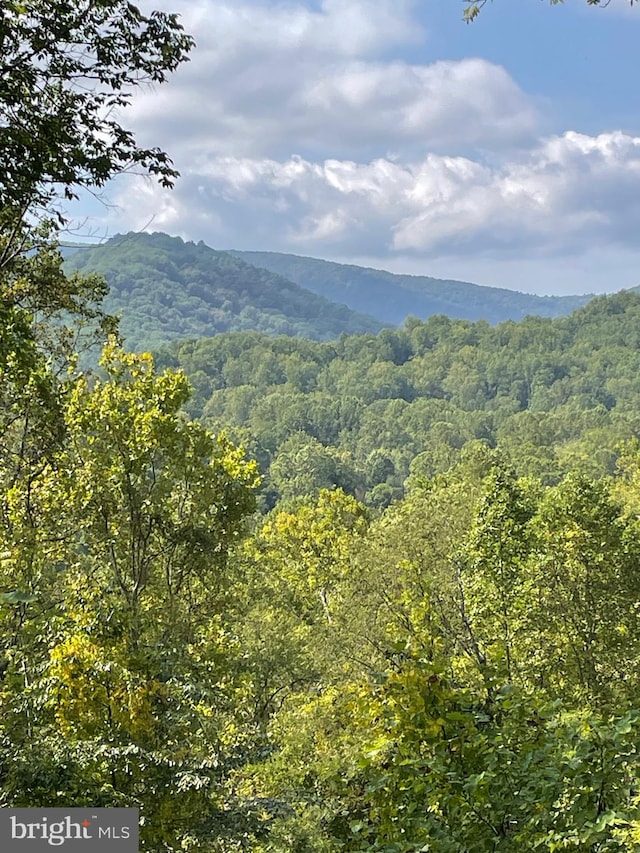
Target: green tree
x=489, y=701
x=65, y=71
x=289, y=596
x=581, y=625
x=303, y=467
x=119, y=664
x=448, y=769
x=307, y=550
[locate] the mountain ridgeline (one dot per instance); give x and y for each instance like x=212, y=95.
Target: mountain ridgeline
x=349, y=564
x=166, y=289
x=375, y=594
x=392, y=298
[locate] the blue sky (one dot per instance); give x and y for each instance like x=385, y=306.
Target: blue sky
x=390, y=133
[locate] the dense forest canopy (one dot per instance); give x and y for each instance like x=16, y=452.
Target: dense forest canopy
x=367, y=412
x=417, y=627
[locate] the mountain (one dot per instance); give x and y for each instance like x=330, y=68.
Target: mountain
x=392, y=298
x=166, y=289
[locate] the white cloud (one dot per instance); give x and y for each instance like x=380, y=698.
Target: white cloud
x=293, y=114
x=446, y=104
x=336, y=27
x=270, y=80
x=297, y=126
x=569, y=190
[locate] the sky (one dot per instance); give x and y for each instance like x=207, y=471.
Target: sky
x=389, y=133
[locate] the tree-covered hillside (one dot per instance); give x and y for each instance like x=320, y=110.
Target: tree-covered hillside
x=392, y=298
x=167, y=289
x=366, y=411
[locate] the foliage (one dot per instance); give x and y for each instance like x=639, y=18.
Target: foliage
x=373, y=414
x=66, y=69
x=455, y=671
x=115, y=634
x=167, y=289
x=474, y=7
x=472, y=713
x=450, y=770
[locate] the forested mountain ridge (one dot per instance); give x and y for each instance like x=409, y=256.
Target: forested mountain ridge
x=428, y=633
x=454, y=667
x=392, y=298
x=165, y=289
x=367, y=411
x=454, y=670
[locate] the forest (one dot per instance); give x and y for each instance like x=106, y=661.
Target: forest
x=377, y=594
x=164, y=289
x=323, y=650
x=372, y=414
x=367, y=290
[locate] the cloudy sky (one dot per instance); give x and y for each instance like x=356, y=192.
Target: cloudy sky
x=389, y=133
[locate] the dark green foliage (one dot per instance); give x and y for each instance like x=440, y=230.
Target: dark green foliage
x=168, y=289
x=555, y=394
x=56, y=132
x=455, y=670
x=482, y=690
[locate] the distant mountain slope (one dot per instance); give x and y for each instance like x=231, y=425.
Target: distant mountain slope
x=392, y=298
x=167, y=289
x=365, y=412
